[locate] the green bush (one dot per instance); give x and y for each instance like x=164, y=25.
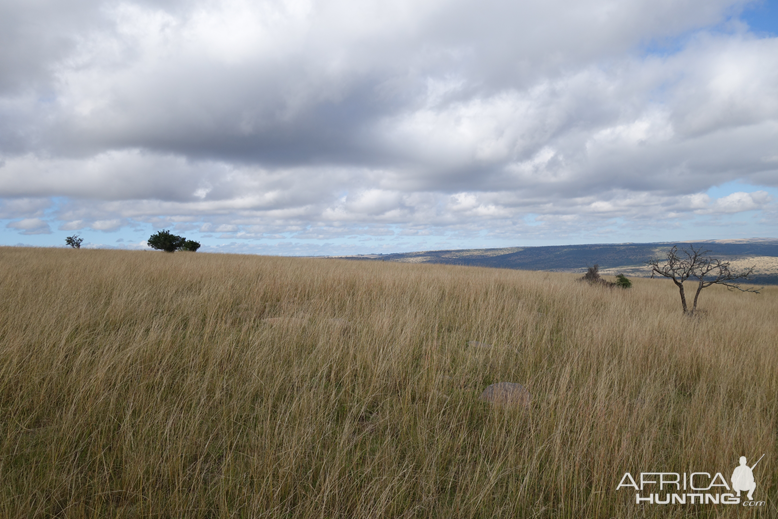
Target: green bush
x=622, y=281
x=190, y=246
x=164, y=240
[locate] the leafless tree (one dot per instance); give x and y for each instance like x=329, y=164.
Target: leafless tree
x=695, y=264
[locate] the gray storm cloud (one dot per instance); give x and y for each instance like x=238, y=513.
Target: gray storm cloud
x=267, y=117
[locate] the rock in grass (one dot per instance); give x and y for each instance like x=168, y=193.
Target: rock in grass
x=506, y=394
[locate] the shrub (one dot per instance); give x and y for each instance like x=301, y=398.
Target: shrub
x=74, y=241
x=592, y=276
x=622, y=281
x=190, y=246
x=164, y=240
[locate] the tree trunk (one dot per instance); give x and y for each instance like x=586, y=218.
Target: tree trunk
x=683, y=296
x=699, y=289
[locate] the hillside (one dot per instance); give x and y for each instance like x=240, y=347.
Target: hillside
x=146, y=384
x=613, y=258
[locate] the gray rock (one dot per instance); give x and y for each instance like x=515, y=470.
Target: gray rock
x=506, y=394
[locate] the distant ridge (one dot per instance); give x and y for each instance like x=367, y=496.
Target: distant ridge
x=629, y=258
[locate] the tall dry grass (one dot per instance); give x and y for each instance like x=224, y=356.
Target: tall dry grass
x=140, y=384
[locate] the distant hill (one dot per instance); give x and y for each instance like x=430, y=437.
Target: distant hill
x=629, y=258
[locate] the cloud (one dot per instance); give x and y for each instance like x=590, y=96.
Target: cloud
x=75, y=225
x=740, y=202
x=30, y=226
x=283, y=118
x=23, y=207
x=107, y=225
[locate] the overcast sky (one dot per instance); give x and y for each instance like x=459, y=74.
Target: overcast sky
x=301, y=127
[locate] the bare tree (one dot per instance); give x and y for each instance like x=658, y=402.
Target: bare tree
x=695, y=264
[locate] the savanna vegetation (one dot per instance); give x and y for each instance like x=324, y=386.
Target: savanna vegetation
x=166, y=241
x=135, y=384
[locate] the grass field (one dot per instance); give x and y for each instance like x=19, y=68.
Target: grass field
x=143, y=384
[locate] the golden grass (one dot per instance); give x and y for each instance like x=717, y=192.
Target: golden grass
x=140, y=384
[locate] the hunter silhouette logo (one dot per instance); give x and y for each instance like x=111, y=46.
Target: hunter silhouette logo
x=694, y=488
x=743, y=478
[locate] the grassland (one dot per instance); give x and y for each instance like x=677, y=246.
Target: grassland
x=142, y=384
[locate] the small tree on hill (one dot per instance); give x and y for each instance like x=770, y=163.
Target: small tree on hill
x=695, y=264
x=164, y=240
x=74, y=241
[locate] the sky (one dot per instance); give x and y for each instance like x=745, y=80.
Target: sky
x=337, y=127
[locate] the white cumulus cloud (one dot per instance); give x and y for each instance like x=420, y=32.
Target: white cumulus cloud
x=335, y=118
